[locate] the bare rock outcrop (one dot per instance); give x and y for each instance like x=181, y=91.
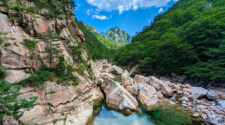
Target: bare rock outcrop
x=140, y=79
x=126, y=79
x=161, y=86
x=14, y=76
x=55, y=100
x=198, y=92
x=147, y=95
x=118, y=97
x=116, y=70
x=211, y=95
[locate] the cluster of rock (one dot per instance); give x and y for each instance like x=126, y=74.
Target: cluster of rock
x=123, y=93
x=58, y=105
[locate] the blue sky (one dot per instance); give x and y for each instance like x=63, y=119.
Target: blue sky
x=130, y=15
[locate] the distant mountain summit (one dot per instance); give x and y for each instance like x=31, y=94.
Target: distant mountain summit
x=118, y=35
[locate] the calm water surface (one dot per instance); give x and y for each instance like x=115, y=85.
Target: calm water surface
x=163, y=115
x=110, y=117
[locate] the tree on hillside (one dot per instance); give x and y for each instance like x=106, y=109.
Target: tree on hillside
x=10, y=105
x=187, y=39
x=53, y=47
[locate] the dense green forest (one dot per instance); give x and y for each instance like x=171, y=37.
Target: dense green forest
x=188, y=39
x=97, y=46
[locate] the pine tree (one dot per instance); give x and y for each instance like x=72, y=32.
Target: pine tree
x=53, y=47
x=10, y=105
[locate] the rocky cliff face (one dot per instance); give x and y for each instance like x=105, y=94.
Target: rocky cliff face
x=118, y=35
x=27, y=30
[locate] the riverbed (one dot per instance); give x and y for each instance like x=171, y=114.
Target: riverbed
x=162, y=115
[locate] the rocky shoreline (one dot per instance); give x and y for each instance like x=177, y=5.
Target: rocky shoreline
x=123, y=93
x=74, y=104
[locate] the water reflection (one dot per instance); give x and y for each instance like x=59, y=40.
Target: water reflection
x=107, y=117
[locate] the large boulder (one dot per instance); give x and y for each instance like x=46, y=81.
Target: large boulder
x=118, y=97
x=140, y=79
x=126, y=79
x=116, y=70
x=147, y=95
x=198, y=92
x=15, y=76
x=161, y=86
x=133, y=89
x=211, y=95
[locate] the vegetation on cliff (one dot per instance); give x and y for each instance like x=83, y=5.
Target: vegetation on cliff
x=10, y=105
x=189, y=39
x=54, y=8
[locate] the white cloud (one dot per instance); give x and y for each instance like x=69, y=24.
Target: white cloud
x=100, y=17
x=92, y=11
x=125, y=5
x=160, y=10
x=89, y=11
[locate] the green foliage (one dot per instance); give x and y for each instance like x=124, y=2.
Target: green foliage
x=98, y=103
x=10, y=38
x=51, y=92
x=97, y=46
x=76, y=52
x=31, y=44
x=15, y=44
x=2, y=72
x=55, y=8
x=9, y=104
x=80, y=70
x=167, y=115
x=188, y=38
x=53, y=47
x=38, y=78
x=7, y=44
x=1, y=41
x=118, y=79
x=65, y=73
x=3, y=33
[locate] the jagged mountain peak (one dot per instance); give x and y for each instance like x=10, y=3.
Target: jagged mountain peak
x=118, y=35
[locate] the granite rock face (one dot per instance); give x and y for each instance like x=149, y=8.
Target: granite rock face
x=211, y=95
x=118, y=97
x=14, y=76
x=116, y=70
x=126, y=79
x=198, y=92
x=147, y=95
x=161, y=86
x=140, y=79
x=55, y=101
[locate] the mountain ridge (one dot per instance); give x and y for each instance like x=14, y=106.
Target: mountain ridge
x=118, y=35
